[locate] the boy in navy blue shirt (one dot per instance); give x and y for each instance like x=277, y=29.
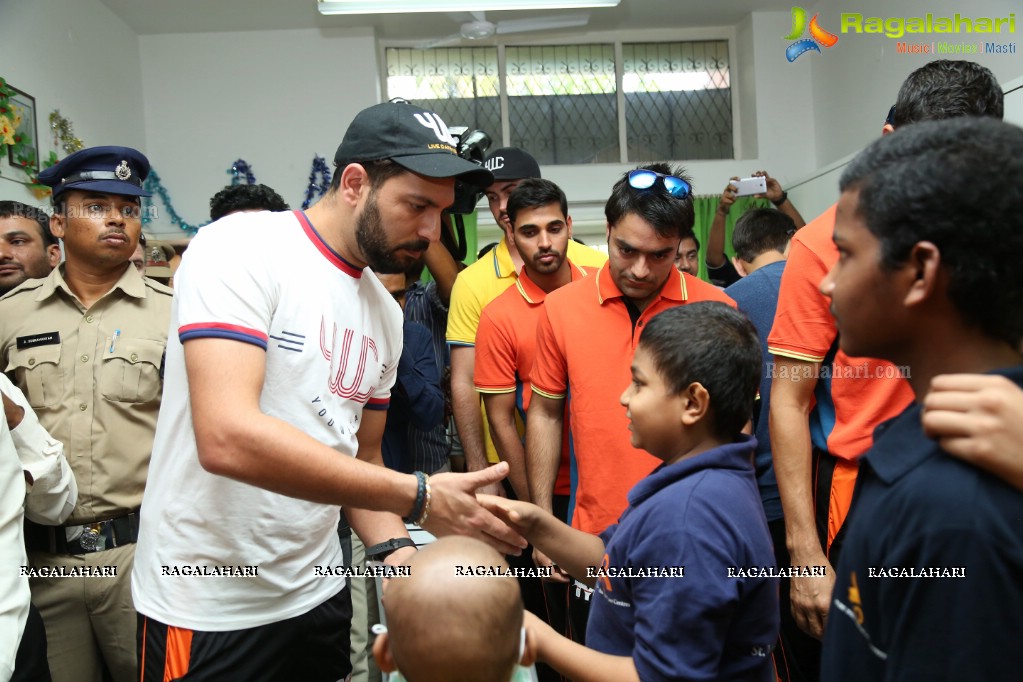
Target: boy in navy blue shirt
x=675, y=595
x=930, y=236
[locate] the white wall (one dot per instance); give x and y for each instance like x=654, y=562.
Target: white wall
x=775, y=106
x=272, y=98
x=816, y=192
x=196, y=102
x=76, y=56
x=855, y=82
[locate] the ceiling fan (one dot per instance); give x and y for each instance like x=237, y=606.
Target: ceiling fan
x=478, y=28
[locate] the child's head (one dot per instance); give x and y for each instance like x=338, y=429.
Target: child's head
x=929, y=229
x=445, y=626
x=696, y=368
x=759, y=231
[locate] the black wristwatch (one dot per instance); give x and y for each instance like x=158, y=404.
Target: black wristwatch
x=384, y=549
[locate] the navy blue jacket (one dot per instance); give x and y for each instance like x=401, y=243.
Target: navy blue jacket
x=919, y=519
x=757, y=296
x=703, y=513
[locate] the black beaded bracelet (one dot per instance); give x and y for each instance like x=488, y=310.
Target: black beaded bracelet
x=417, y=508
x=784, y=198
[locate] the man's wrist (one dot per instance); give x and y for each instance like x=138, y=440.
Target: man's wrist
x=381, y=551
x=802, y=549
x=781, y=200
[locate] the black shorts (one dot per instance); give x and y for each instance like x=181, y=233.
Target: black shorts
x=313, y=647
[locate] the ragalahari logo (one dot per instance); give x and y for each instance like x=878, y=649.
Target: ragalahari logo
x=818, y=36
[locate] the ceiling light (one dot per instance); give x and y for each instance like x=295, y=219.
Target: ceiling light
x=413, y=6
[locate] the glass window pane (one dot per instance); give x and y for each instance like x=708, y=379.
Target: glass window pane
x=459, y=83
x=561, y=103
x=678, y=100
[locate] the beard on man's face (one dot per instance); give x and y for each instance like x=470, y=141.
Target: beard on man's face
x=372, y=241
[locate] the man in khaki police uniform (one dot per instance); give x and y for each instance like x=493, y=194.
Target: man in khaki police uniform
x=86, y=346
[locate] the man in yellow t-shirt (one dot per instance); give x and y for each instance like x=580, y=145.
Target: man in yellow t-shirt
x=478, y=285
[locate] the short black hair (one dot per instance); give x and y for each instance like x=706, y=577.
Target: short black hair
x=379, y=171
x=690, y=235
x=954, y=184
x=235, y=198
x=534, y=192
x=485, y=250
x=760, y=230
x=670, y=217
x=16, y=209
x=716, y=345
x=948, y=89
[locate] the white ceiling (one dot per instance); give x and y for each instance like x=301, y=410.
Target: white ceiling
x=198, y=16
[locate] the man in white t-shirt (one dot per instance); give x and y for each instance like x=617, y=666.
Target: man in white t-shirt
x=276, y=389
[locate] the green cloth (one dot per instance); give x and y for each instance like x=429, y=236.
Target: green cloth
x=705, y=207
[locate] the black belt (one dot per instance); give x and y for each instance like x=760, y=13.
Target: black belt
x=95, y=537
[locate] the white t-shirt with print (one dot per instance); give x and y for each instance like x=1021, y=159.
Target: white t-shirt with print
x=332, y=336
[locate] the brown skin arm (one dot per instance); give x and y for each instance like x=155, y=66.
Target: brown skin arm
x=443, y=268
x=791, y=402
x=573, y=550
x=465, y=402
x=544, y=426
x=774, y=193
x=13, y=412
x=238, y=440
x=576, y=661
x=715, y=257
x=501, y=417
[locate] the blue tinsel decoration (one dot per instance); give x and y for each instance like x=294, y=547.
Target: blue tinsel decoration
x=316, y=188
x=153, y=184
x=237, y=169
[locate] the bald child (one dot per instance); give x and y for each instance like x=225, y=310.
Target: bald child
x=444, y=625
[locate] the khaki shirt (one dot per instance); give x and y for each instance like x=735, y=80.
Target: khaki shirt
x=96, y=390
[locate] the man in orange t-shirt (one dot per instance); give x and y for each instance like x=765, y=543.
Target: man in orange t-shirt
x=586, y=336
x=506, y=338
x=505, y=348
x=824, y=404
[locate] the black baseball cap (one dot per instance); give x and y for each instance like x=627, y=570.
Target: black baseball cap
x=414, y=138
x=511, y=163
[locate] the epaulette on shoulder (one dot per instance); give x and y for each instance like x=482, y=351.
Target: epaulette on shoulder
x=27, y=285
x=158, y=287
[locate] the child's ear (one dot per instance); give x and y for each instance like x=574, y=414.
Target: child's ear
x=925, y=267
x=382, y=653
x=529, y=655
x=695, y=403
x=739, y=267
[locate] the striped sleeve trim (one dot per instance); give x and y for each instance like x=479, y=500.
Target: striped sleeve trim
x=215, y=330
x=378, y=403
x=494, y=389
x=785, y=353
x=461, y=344
x=545, y=394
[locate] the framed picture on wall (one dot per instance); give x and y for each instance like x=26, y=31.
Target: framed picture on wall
x=29, y=151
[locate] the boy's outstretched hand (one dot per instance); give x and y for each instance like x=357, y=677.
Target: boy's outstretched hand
x=454, y=510
x=520, y=516
x=523, y=517
x=571, y=549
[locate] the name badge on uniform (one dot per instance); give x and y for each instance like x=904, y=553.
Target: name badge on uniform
x=46, y=339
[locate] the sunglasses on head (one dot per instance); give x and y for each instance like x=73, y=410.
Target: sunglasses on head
x=645, y=179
